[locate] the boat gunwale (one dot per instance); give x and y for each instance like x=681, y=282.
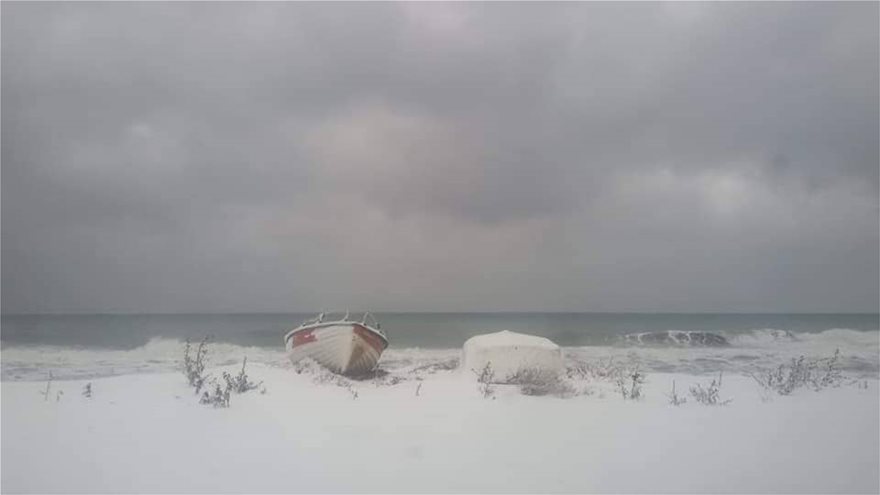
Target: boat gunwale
x=352, y=324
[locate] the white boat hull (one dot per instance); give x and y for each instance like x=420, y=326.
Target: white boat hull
x=343, y=347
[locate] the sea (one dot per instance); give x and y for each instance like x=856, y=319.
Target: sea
x=89, y=346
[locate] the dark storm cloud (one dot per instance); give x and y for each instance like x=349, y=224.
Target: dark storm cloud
x=280, y=156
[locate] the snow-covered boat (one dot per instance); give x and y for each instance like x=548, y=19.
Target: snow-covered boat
x=345, y=346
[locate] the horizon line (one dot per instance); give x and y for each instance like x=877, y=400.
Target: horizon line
x=299, y=312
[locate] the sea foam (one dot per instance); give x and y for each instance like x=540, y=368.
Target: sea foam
x=687, y=352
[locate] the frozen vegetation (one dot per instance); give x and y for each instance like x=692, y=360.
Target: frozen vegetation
x=422, y=423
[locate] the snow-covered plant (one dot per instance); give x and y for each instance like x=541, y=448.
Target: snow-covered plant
x=219, y=397
x=485, y=378
x=194, y=366
x=801, y=372
x=307, y=366
x=629, y=384
x=708, y=396
x=348, y=386
x=602, y=369
x=674, y=398
x=48, y=386
x=322, y=376
x=386, y=379
x=538, y=381
x=829, y=373
x=626, y=376
x=240, y=383
x=194, y=370
x=431, y=368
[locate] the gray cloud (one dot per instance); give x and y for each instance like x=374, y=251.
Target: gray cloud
x=440, y=156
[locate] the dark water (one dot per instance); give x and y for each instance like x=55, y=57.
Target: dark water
x=425, y=330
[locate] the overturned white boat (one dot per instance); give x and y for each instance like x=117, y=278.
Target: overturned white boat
x=509, y=353
x=345, y=346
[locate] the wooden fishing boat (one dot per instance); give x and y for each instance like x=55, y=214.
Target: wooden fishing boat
x=345, y=346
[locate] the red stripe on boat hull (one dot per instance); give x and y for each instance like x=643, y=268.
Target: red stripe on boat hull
x=304, y=337
x=370, y=338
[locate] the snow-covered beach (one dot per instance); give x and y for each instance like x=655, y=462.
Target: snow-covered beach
x=605, y=247
x=429, y=429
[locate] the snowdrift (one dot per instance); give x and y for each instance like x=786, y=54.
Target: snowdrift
x=508, y=352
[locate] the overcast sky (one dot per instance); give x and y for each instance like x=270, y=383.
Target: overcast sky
x=197, y=157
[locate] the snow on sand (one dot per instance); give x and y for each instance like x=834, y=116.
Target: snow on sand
x=147, y=433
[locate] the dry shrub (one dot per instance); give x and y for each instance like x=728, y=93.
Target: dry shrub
x=815, y=373
x=240, y=383
x=538, y=381
x=485, y=377
x=219, y=397
x=629, y=383
x=194, y=370
x=194, y=366
x=626, y=377
x=708, y=396
x=674, y=398
x=601, y=370
x=431, y=368
x=322, y=376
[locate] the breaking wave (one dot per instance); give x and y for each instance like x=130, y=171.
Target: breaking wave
x=764, y=337
x=744, y=352
x=156, y=356
x=677, y=338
